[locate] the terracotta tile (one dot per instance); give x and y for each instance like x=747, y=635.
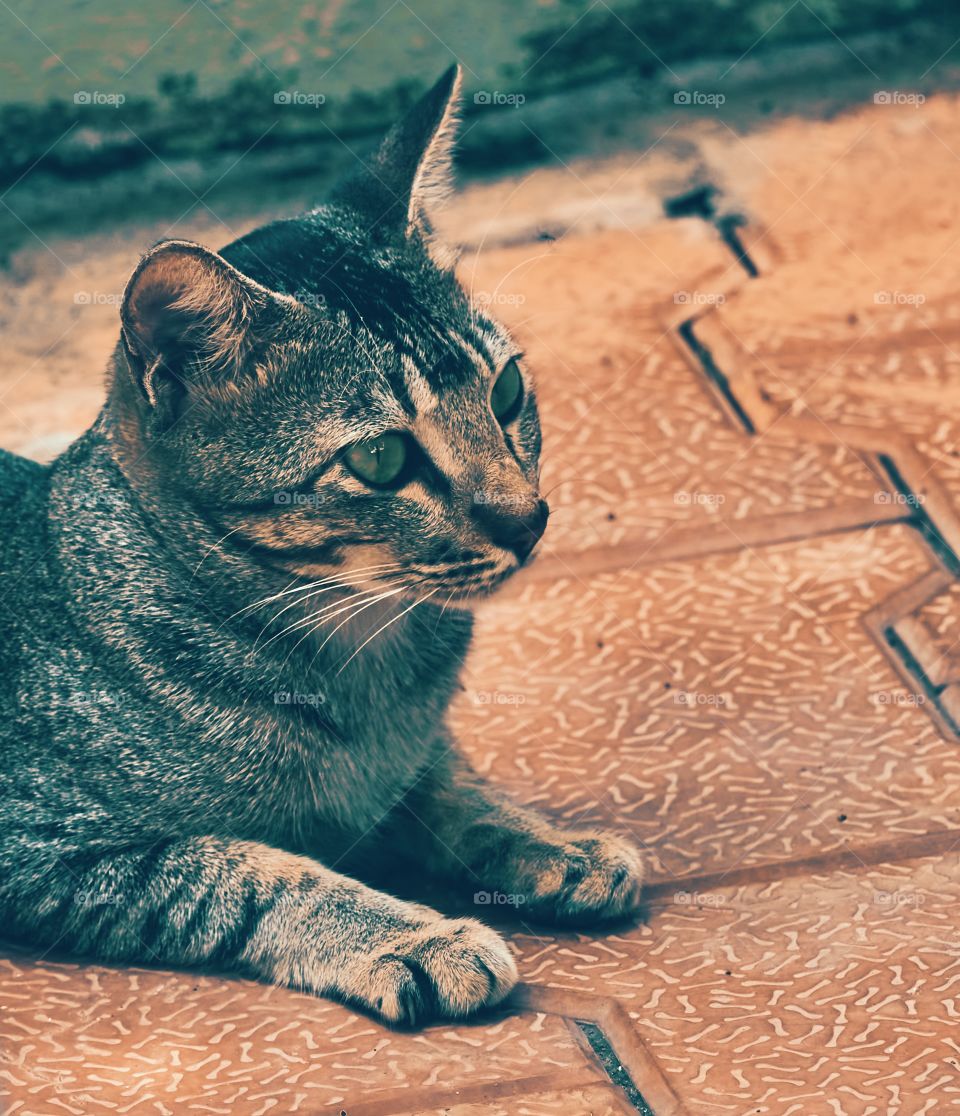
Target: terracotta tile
x=592, y=1101
x=83, y=1038
x=730, y=710
x=825, y=994
x=857, y=323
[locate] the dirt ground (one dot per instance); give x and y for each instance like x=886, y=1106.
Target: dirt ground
x=740, y=644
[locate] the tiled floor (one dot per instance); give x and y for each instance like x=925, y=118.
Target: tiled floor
x=740, y=644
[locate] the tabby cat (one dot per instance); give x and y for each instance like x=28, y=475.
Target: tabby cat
x=236, y=609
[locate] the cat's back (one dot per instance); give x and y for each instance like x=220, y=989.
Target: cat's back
x=22, y=488
x=23, y=485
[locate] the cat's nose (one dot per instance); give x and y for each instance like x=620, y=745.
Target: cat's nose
x=519, y=533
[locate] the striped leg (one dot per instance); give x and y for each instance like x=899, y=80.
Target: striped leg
x=466, y=828
x=245, y=906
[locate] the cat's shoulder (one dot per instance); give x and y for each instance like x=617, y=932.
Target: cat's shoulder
x=18, y=477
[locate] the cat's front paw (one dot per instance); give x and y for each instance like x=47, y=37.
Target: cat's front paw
x=576, y=878
x=445, y=968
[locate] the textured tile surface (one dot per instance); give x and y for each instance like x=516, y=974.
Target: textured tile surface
x=700, y=657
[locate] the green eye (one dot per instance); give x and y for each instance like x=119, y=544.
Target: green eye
x=379, y=461
x=507, y=393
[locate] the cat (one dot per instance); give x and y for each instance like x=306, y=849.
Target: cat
x=236, y=608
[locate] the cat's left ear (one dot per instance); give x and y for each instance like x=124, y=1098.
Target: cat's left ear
x=410, y=175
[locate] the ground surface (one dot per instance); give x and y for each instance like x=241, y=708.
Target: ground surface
x=740, y=644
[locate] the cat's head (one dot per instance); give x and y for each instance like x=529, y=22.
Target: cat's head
x=324, y=389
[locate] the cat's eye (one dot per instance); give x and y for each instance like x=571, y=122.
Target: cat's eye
x=379, y=461
x=507, y=394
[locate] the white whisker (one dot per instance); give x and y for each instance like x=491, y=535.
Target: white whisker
x=383, y=627
x=341, y=577
x=327, y=612
x=210, y=549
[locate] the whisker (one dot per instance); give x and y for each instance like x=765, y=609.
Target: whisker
x=313, y=622
x=316, y=592
x=383, y=627
x=443, y=608
x=325, y=613
x=312, y=584
x=210, y=549
x=356, y=612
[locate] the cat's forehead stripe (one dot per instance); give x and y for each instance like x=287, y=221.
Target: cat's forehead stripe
x=480, y=360
x=421, y=395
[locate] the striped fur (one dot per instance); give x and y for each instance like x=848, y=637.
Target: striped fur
x=226, y=660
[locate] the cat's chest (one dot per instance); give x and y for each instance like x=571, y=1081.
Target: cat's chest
x=344, y=762
x=339, y=740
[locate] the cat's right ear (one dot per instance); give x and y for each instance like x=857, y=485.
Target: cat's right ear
x=409, y=176
x=189, y=324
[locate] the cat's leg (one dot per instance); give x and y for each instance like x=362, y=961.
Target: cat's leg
x=244, y=906
x=459, y=825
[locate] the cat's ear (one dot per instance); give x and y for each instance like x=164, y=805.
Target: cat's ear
x=189, y=322
x=410, y=175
